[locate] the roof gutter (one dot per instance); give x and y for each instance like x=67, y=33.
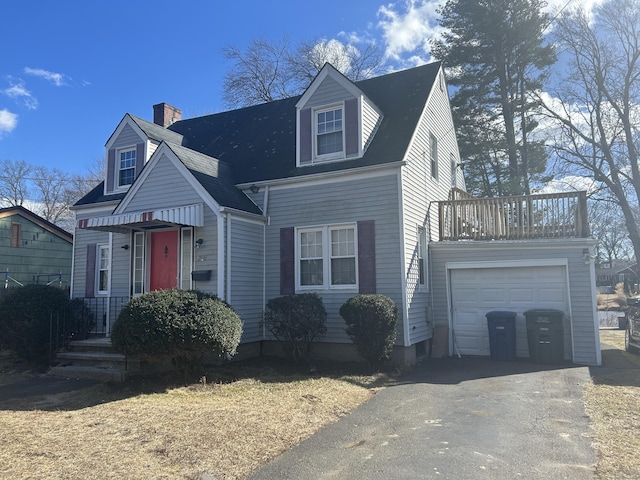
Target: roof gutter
x=322, y=175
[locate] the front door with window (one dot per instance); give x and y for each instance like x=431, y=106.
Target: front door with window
x=164, y=260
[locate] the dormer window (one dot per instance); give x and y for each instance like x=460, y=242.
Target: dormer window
x=329, y=128
x=126, y=167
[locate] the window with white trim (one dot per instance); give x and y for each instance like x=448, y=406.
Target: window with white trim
x=422, y=255
x=454, y=170
x=329, y=132
x=433, y=148
x=326, y=257
x=138, y=263
x=186, y=258
x=126, y=166
x=104, y=268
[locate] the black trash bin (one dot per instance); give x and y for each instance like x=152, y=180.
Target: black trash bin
x=545, y=335
x=502, y=335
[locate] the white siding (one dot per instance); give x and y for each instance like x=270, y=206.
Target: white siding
x=420, y=191
x=247, y=267
x=581, y=301
x=370, y=119
x=347, y=201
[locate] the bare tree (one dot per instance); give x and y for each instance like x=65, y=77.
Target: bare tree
x=597, y=109
x=267, y=70
x=258, y=75
x=606, y=223
x=51, y=193
x=14, y=182
x=353, y=62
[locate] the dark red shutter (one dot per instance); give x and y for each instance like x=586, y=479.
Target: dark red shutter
x=351, y=126
x=139, y=158
x=90, y=274
x=367, y=256
x=304, y=146
x=111, y=168
x=287, y=261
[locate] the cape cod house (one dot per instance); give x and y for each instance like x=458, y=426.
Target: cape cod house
x=352, y=187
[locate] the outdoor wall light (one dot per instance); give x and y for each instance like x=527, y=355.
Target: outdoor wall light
x=125, y=247
x=254, y=189
x=199, y=243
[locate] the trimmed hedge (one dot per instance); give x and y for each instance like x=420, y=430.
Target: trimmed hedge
x=35, y=319
x=297, y=321
x=371, y=323
x=183, y=325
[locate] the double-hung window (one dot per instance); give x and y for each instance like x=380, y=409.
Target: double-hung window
x=422, y=256
x=104, y=268
x=126, y=166
x=434, y=156
x=329, y=132
x=327, y=257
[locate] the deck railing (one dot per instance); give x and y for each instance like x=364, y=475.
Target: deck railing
x=552, y=215
x=104, y=311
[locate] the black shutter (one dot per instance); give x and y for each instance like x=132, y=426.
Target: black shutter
x=367, y=256
x=304, y=145
x=111, y=168
x=90, y=273
x=139, y=158
x=287, y=261
x=351, y=126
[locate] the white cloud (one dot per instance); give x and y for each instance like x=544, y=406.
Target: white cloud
x=408, y=28
x=570, y=183
x=8, y=121
x=58, y=79
x=18, y=91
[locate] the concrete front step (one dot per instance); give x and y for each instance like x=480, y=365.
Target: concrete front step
x=98, y=344
x=101, y=374
x=93, y=359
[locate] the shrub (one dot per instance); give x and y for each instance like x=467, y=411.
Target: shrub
x=297, y=321
x=38, y=318
x=182, y=325
x=371, y=323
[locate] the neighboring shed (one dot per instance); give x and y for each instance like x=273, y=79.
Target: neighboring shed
x=32, y=249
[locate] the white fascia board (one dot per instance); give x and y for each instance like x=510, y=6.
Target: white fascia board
x=325, y=177
x=534, y=262
x=521, y=244
x=328, y=70
x=244, y=216
x=102, y=207
x=165, y=150
x=126, y=120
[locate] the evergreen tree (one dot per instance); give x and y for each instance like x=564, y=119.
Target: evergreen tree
x=496, y=58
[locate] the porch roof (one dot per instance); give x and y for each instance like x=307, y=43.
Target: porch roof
x=190, y=215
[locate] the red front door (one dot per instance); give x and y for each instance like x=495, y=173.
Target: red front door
x=164, y=260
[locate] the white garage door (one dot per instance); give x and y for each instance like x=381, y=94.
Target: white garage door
x=476, y=291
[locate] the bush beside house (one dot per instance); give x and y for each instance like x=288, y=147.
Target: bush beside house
x=297, y=321
x=371, y=324
x=184, y=326
x=38, y=319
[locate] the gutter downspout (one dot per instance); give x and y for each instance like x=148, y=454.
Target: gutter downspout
x=265, y=207
x=221, y=257
x=228, y=266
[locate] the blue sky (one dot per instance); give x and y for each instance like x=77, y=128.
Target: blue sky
x=70, y=70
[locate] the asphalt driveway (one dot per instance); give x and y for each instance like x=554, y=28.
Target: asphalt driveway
x=456, y=418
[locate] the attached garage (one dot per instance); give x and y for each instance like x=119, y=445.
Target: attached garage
x=477, y=291
x=472, y=278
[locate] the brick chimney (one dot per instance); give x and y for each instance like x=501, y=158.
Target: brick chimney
x=164, y=114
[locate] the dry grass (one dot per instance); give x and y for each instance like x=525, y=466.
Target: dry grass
x=225, y=430
x=612, y=402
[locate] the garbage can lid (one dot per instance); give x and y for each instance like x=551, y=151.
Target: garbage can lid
x=543, y=311
x=501, y=314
